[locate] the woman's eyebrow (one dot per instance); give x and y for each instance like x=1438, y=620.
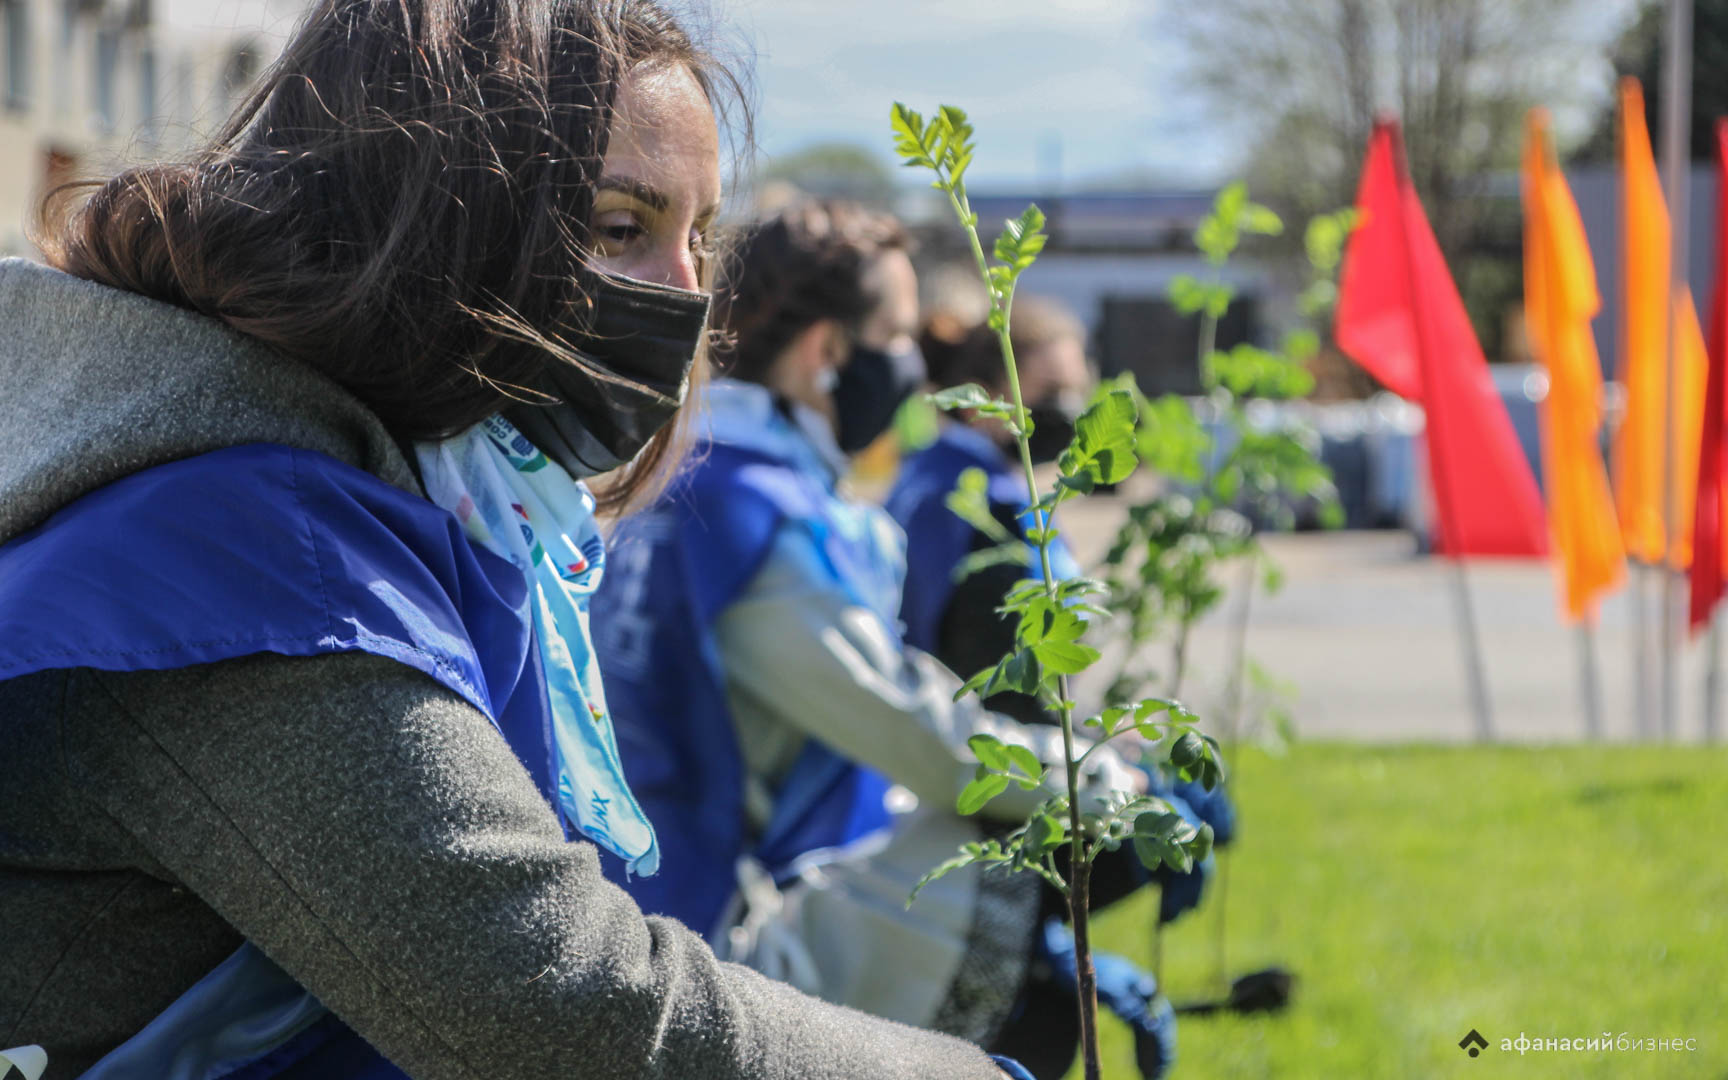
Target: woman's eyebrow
x=637, y=189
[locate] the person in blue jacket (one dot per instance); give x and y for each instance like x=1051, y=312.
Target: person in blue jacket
x=801, y=766
x=954, y=616
x=308, y=768
x=952, y=613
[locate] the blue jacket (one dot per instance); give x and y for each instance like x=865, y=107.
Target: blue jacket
x=674, y=569
x=937, y=539
x=263, y=548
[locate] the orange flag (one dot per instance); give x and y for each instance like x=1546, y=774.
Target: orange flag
x=1645, y=294
x=1560, y=299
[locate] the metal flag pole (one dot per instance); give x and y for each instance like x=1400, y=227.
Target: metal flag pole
x=1588, y=675
x=1444, y=504
x=1713, y=679
x=1478, y=680
x=1676, y=130
x=1642, y=698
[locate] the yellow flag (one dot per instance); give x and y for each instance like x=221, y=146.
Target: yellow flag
x=1646, y=292
x=1560, y=299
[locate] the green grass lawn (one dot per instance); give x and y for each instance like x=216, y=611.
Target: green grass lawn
x=1419, y=892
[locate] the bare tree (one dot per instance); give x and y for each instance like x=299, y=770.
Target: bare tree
x=1307, y=77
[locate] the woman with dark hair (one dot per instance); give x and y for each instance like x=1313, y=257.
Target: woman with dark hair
x=298, y=711
x=803, y=766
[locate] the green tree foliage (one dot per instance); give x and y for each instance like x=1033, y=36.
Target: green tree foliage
x=835, y=170
x=1305, y=81
x=1163, y=567
x=1638, y=52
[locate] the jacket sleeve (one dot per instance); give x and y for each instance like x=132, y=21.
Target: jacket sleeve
x=798, y=652
x=375, y=836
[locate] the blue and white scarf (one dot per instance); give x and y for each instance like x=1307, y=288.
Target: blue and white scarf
x=515, y=502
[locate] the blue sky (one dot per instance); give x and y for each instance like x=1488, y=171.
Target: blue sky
x=1085, y=74
x=1089, y=83
x=1095, y=75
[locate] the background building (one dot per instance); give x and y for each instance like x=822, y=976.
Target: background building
x=89, y=85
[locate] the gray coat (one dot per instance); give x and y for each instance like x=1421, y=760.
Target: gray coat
x=367, y=829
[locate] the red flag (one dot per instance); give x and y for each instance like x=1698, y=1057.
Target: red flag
x=1400, y=317
x=1708, y=550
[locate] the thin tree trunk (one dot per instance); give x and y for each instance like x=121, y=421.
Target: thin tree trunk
x=1079, y=904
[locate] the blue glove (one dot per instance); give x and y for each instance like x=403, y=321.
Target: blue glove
x=1012, y=1068
x=1129, y=993
x=1213, y=807
x=1177, y=892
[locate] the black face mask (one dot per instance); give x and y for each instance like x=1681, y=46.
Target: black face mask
x=644, y=333
x=870, y=389
x=1052, y=430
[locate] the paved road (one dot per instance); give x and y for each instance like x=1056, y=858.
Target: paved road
x=1367, y=633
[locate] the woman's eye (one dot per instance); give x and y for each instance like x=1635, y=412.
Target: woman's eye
x=621, y=234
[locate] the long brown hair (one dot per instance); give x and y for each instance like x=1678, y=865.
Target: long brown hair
x=809, y=262
x=402, y=202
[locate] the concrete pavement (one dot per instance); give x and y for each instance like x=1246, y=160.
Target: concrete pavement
x=1367, y=633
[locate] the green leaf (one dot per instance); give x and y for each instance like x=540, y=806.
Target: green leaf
x=975, y=684
x=1069, y=590
x=957, y=168
x=1332, y=513
x=1157, y=824
x=990, y=751
x=1009, y=552
x=1150, y=852
x=1301, y=345
x=960, y=132
x=1187, y=750
x=1201, y=845
x=1046, y=833
x=967, y=396
x=1175, y=856
x=972, y=396
x=970, y=502
x=1172, y=441
x=1325, y=236
x=1314, y=300
x=1081, y=483
x=1261, y=220
x=1021, y=239
x=1218, y=300
x=1230, y=200
x=942, y=869
x=1104, y=440
x=1186, y=294
x=1147, y=706
x=909, y=135
x=1272, y=580
x=978, y=793
x=1026, y=761
x=1066, y=658
x=1037, y=615
x=1023, y=672
x=1020, y=672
